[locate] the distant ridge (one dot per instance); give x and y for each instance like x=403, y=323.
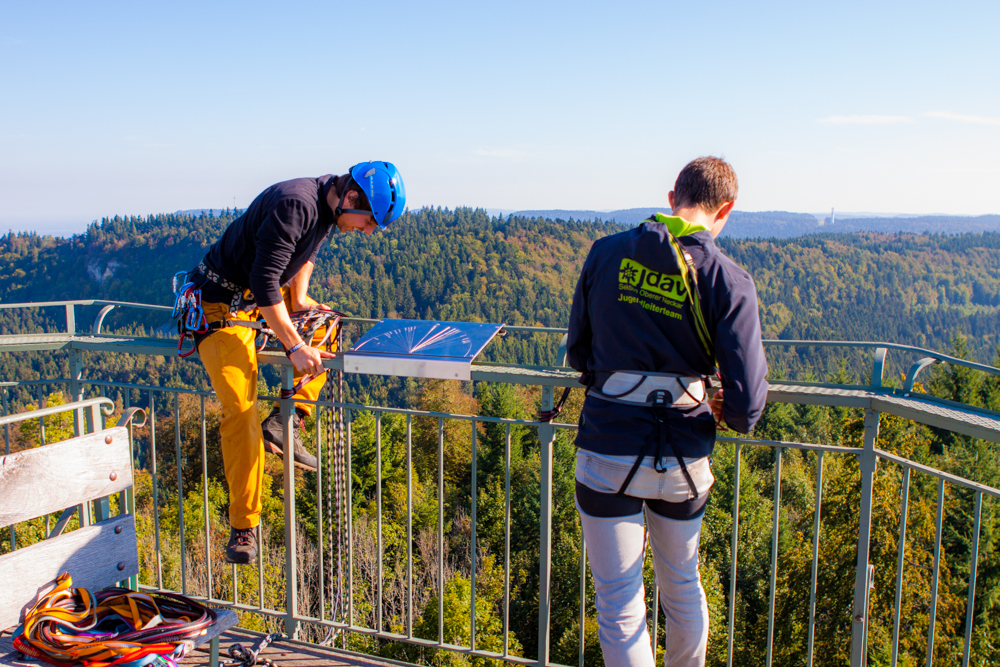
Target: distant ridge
x=783, y=224
x=625, y=216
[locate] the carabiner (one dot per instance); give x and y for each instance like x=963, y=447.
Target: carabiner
x=180, y=344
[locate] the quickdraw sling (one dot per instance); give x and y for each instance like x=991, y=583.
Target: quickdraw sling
x=114, y=626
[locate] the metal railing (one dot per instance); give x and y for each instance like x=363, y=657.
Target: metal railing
x=867, y=456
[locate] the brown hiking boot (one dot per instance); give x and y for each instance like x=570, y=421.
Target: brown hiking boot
x=274, y=432
x=242, y=547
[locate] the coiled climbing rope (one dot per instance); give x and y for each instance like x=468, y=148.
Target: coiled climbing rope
x=114, y=626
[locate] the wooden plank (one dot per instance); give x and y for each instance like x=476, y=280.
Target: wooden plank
x=225, y=619
x=92, y=556
x=36, y=482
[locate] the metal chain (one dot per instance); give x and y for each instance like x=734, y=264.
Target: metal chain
x=248, y=657
x=335, y=496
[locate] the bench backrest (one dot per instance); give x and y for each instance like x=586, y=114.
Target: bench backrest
x=51, y=478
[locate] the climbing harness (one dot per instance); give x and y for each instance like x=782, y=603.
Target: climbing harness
x=659, y=392
x=191, y=320
x=114, y=626
x=248, y=657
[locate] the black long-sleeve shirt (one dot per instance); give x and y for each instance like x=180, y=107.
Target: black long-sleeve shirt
x=630, y=313
x=268, y=245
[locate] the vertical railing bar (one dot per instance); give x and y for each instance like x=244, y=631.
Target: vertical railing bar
x=932, y=614
x=506, y=542
x=41, y=420
x=76, y=394
x=904, y=509
x=236, y=581
x=409, y=526
x=180, y=489
x=378, y=504
x=291, y=526
x=546, y=439
x=863, y=571
x=128, y=496
x=970, y=605
x=656, y=617
x=260, y=566
x=774, y=555
x=440, y=530
x=814, y=575
x=733, y=555
x=204, y=487
x=156, y=496
x=583, y=598
x=472, y=546
x=317, y=440
x=6, y=428
x=6, y=438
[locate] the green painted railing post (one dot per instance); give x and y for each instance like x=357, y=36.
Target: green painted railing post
x=79, y=417
x=71, y=319
x=863, y=575
x=546, y=437
x=291, y=545
x=76, y=390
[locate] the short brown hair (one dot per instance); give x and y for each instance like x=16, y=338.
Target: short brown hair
x=708, y=182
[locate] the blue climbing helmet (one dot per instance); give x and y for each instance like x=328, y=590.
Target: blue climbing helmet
x=383, y=187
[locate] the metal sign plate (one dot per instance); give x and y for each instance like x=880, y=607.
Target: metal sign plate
x=420, y=348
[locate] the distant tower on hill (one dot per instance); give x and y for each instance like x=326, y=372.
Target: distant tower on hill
x=831, y=215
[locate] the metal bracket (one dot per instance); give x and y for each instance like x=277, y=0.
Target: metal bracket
x=129, y=418
x=99, y=320
x=915, y=369
x=64, y=518
x=561, y=353
x=878, y=367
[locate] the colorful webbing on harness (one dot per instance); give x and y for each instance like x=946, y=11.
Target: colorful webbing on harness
x=307, y=323
x=114, y=626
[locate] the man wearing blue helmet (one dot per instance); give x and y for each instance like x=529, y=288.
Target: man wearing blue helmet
x=260, y=267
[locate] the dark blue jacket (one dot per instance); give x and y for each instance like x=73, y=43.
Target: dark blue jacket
x=630, y=313
x=266, y=247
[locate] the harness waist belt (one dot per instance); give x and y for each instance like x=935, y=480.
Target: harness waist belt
x=217, y=279
x=635, y=388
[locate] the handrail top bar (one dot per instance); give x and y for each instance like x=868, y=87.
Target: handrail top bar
x=107, y=408
x=940, y=474
x=83, y=302
x=770, y=342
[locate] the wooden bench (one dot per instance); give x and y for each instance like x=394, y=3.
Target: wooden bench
x=68, y=476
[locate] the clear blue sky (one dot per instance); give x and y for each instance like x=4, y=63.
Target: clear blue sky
x=137, y=107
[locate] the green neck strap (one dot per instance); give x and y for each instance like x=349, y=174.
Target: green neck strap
x=678, y=226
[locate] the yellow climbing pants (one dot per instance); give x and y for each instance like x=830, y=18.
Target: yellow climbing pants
x=230, y=357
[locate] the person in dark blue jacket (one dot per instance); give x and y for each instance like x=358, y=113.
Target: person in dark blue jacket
x=658, y=311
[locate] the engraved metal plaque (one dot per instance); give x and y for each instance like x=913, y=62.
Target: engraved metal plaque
x=420, y=348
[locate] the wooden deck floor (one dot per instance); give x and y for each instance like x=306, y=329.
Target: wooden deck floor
x=282, y=653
